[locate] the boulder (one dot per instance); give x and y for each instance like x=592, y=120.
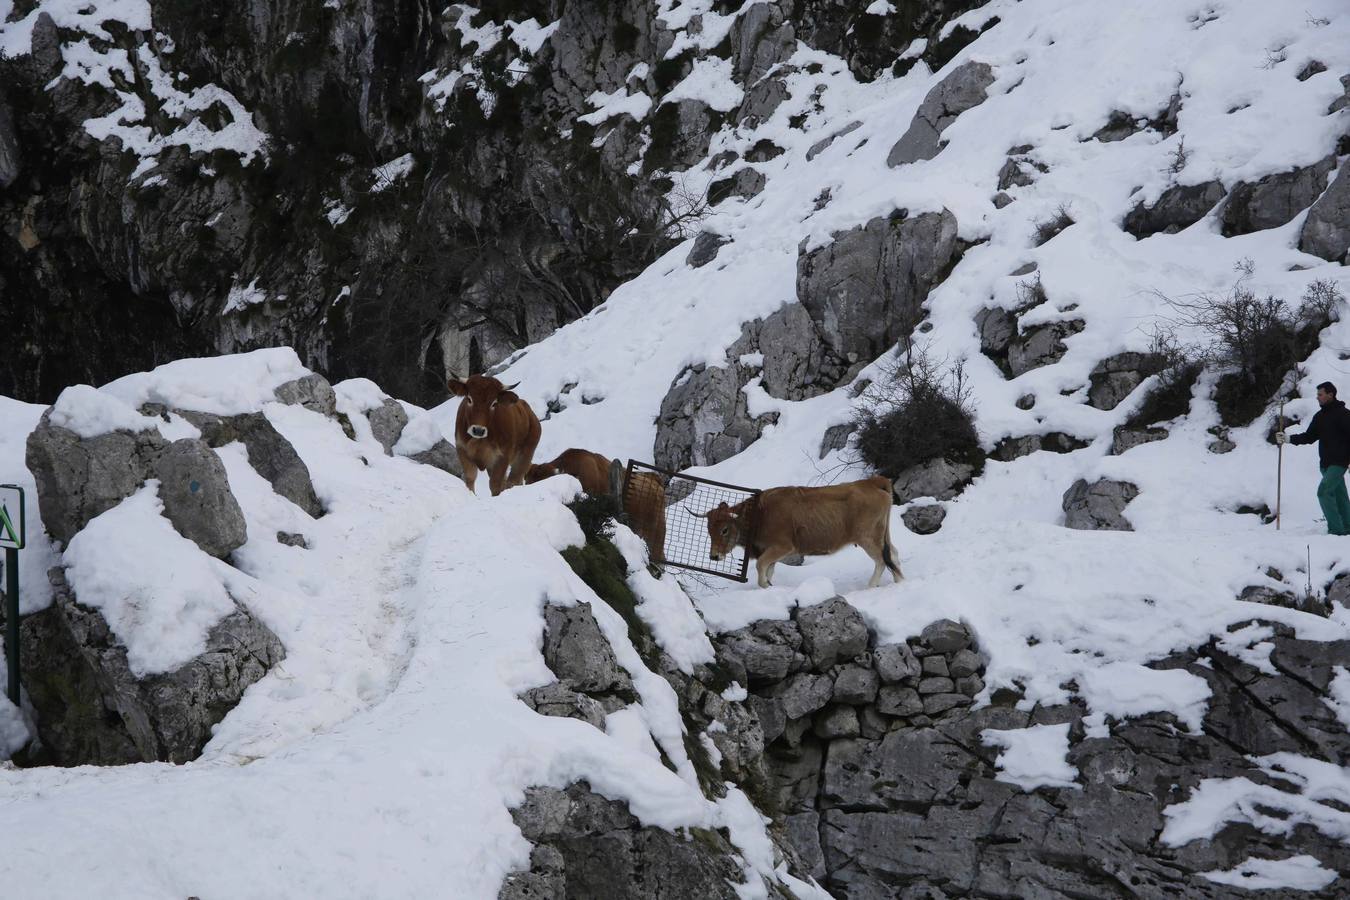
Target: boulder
x=443, y=456
x=938, y=478
x=944, y=636
x=1114, y=378
x=313, y=392
x=836, y=437
x=1013, y=448
x=588, y=846
x=705, y=418
x=1275, y=199
x=557, y=699
x=578, y=653
x=899, y=701
x=91, y=709
x=823, y=144
x=855, y=685
x=924, y=519
x=1041, y=345
x=269, y=453
x=387, y=422
x=832, y=632
x=1326, y=231
x=865, y=289
x=744, y=183
x=705, y=249
x=761, y=38
x=965, y=87
x=803, y=694
x=1180, y=206
x=1098, y=506
x=895, y=663
x=1126, y=437
x=838, y=722
x=80, y=478
x=196, y=495
x=997, y=327
x=766, y=652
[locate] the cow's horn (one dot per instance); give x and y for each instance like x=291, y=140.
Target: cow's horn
x=511, y=387
x=699, y=515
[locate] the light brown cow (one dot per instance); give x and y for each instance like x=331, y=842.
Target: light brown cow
x=494, y=430
x=814, y=521
x=644, y=500
x=591, y=469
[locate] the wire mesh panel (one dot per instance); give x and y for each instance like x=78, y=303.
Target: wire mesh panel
x=666, y=509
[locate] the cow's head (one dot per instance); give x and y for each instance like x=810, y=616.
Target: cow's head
x=540, y=471
x=726, y=524
x=482, y=396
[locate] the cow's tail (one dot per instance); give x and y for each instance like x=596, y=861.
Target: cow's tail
x=887, y=551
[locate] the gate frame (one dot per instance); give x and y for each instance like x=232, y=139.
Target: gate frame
x=634, y=466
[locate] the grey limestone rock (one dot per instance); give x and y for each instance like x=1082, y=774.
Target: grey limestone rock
x=935, y=686
x=599, y=849
x=1326, y=231
x=269, y=453
x=944, y=636
x=766, y=651
x=1126, y=437
x=578, y=653
x=864, y=289
x=897, y=700
x=837, y=722
x=821, y=145
x=832, y=632
x=1098, y=506
x=1114, y=378
x=964, y=663
x=895, y=663
x=557, y=699
x=313, y=392
x=1180, y=206
x=387, y=422
x=745, y=183
x=196, y=495
x=761, y=39
x=855, y=685
x=803, y=694
x=705, y=248
x=443, y=456
x=91, y=708
x=80, y=478
x=924, y=519
x=1041, y=345
x=1275, y=199
x=938, y=478
x=964, y=87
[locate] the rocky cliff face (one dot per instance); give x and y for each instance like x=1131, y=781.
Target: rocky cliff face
x=396, y=190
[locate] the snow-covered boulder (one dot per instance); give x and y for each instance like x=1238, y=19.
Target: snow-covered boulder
x=94, y=708
x=1098, y=506
x=1114, y=378
x=924, y=519
x=1326, y=231
x=197, y=500
x=312, y=391
x=964, y=88
x=938, y=478
x=269, y=453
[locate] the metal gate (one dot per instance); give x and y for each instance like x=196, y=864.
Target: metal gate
x=661, y=506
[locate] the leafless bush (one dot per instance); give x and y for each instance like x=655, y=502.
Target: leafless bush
x=1052, y=226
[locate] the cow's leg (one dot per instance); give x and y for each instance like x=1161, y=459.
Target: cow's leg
x=470, y=471
x=497, y=476
x=519, y=467
x=765, y=562
x=889, y=554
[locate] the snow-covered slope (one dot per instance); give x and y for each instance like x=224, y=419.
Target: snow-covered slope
x=392, y=730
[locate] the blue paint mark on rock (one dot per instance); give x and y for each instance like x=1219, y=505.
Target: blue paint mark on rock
x=194, y=486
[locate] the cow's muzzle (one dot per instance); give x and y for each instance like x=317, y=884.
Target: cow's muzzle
x=477, y=431
x=716, y=557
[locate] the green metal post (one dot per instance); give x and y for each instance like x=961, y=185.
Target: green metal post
x=12, y=622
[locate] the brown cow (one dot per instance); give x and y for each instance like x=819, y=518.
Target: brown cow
x=591, y=469
x=644, y=499
x=814, y=521
x=494, y=430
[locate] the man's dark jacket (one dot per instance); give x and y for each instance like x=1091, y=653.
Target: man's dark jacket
x=1331, y=429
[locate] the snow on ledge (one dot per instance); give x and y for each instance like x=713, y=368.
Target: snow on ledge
x=1033, y=757
x=1300, y=873
x=89, y=413
x=222, y=385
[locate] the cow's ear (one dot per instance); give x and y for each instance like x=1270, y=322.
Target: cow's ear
x=457, y=387
x=506, y=398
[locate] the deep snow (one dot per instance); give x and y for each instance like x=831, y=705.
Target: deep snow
x=387, y=747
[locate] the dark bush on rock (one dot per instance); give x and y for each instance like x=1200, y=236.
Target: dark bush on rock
x=1259, y=339
x=1177, y=369
x=919, y=413
x=595, y=514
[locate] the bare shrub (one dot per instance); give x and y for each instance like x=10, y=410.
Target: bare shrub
x=917, y=411
x=1052, y=226
x=1260, y=340
x=1177, y=368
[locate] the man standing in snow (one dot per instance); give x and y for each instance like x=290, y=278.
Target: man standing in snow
x=1330, y=428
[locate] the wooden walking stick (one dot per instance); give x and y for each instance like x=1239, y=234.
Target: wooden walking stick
x=1279, y=468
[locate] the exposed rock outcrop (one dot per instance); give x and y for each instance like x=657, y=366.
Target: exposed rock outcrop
x=1179, y=207
x=1275, y=199
x=1098, y=506
x=1326, y=231
x=965, y=87
x=91, y=708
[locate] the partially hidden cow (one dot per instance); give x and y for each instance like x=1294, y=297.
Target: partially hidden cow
x=495, y=431
x=644, y=499
x=813, y=521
